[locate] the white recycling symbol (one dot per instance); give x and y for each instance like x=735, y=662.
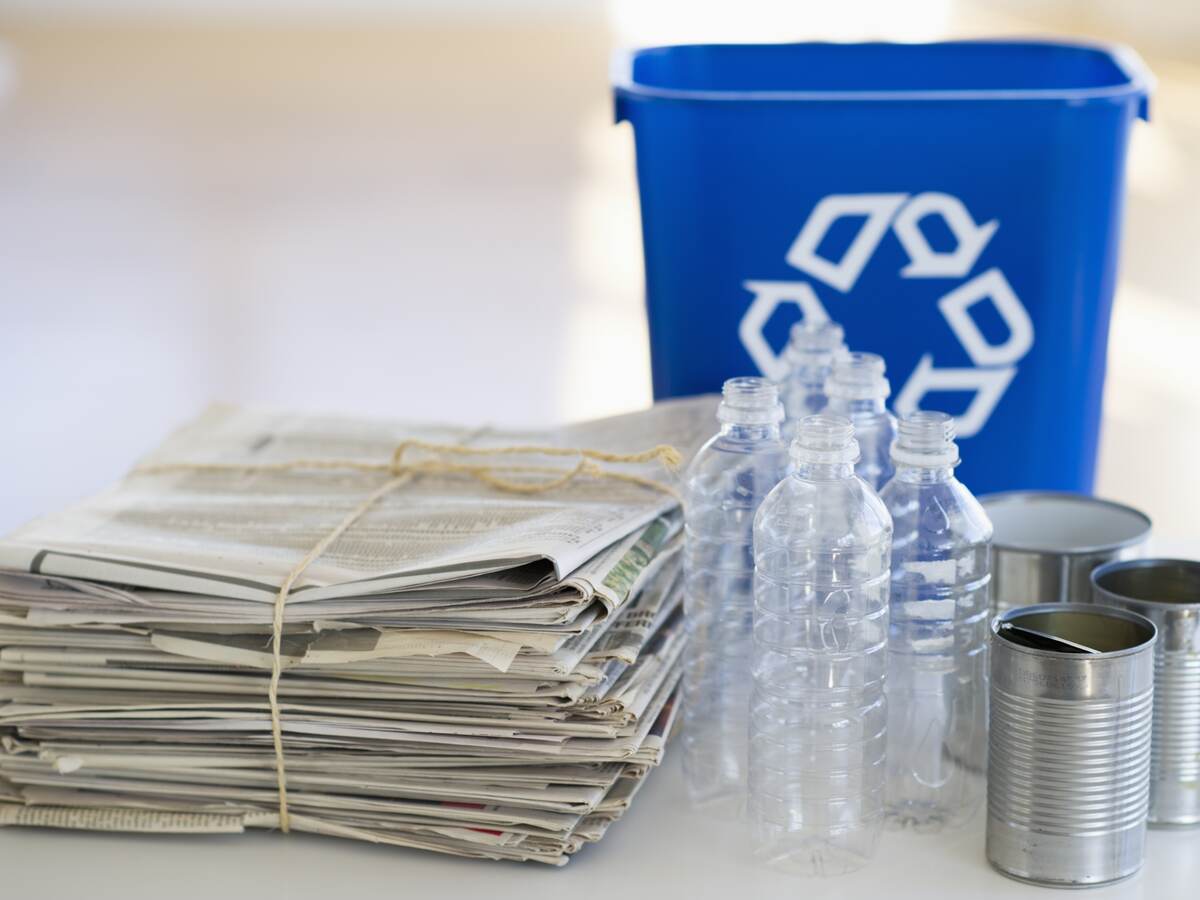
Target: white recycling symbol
x=994, y=363
x=879, y=210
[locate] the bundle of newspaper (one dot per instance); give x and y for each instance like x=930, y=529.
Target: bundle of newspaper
x=479, y=655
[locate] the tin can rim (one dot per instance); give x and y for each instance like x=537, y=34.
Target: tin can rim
x=988, y=500
x=1112, y=597
x=1116, y=612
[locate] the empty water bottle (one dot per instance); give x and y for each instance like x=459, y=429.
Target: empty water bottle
x=937, y=650
x=818, y=725
x=809, y=357
x=857, y=390
x=726, y=482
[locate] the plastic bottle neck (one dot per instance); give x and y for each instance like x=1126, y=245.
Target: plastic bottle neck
x=924, y=451
x=857, y=385
x=848, y=406
x=924, y=474
x=811, y=349
x=808, y=471
x=750, y=409
x=811, y=377
x=824, y=448
x=736, y=431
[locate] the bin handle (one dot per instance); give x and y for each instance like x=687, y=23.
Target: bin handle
x=620, y=75
x=1139, y=75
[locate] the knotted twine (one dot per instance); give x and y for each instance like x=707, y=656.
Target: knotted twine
x=400, y=472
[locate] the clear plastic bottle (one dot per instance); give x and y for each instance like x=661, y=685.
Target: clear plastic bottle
x=809, y=356
x=937, y=684
x=726, y=482
x=857, y=390
x=818, y=716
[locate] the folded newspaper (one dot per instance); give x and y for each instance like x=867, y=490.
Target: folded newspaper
x=478, y=666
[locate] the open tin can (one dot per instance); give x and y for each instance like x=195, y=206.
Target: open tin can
x=1167, y=592
x=1072, y=690
x=1046, y=544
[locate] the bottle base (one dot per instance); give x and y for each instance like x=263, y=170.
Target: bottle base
x=815, y=856
x=924, y=818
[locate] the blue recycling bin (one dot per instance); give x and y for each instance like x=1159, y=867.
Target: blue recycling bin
x=956, y=206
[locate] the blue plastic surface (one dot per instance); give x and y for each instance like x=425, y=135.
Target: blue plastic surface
x=955, y=206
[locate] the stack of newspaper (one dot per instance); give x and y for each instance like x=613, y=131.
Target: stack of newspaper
x=467, y=668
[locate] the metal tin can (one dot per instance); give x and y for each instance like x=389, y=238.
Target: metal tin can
x=1167, y=592
x=1069, y=747
x=1046, y=544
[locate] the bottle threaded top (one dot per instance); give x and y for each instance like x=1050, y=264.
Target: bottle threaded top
x=925, y=438
x=815, y=341
x=858, y=376
x=825, y=440
x=750, y=401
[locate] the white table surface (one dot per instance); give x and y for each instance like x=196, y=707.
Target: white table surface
x=660, y=849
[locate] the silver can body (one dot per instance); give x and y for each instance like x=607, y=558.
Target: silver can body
x=1167, y=592
x=1069, y=746
x=1046, y=544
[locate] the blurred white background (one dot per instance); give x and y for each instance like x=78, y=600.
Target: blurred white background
x=422, y=210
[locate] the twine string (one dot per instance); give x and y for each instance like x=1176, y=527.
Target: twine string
x=400, y=472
